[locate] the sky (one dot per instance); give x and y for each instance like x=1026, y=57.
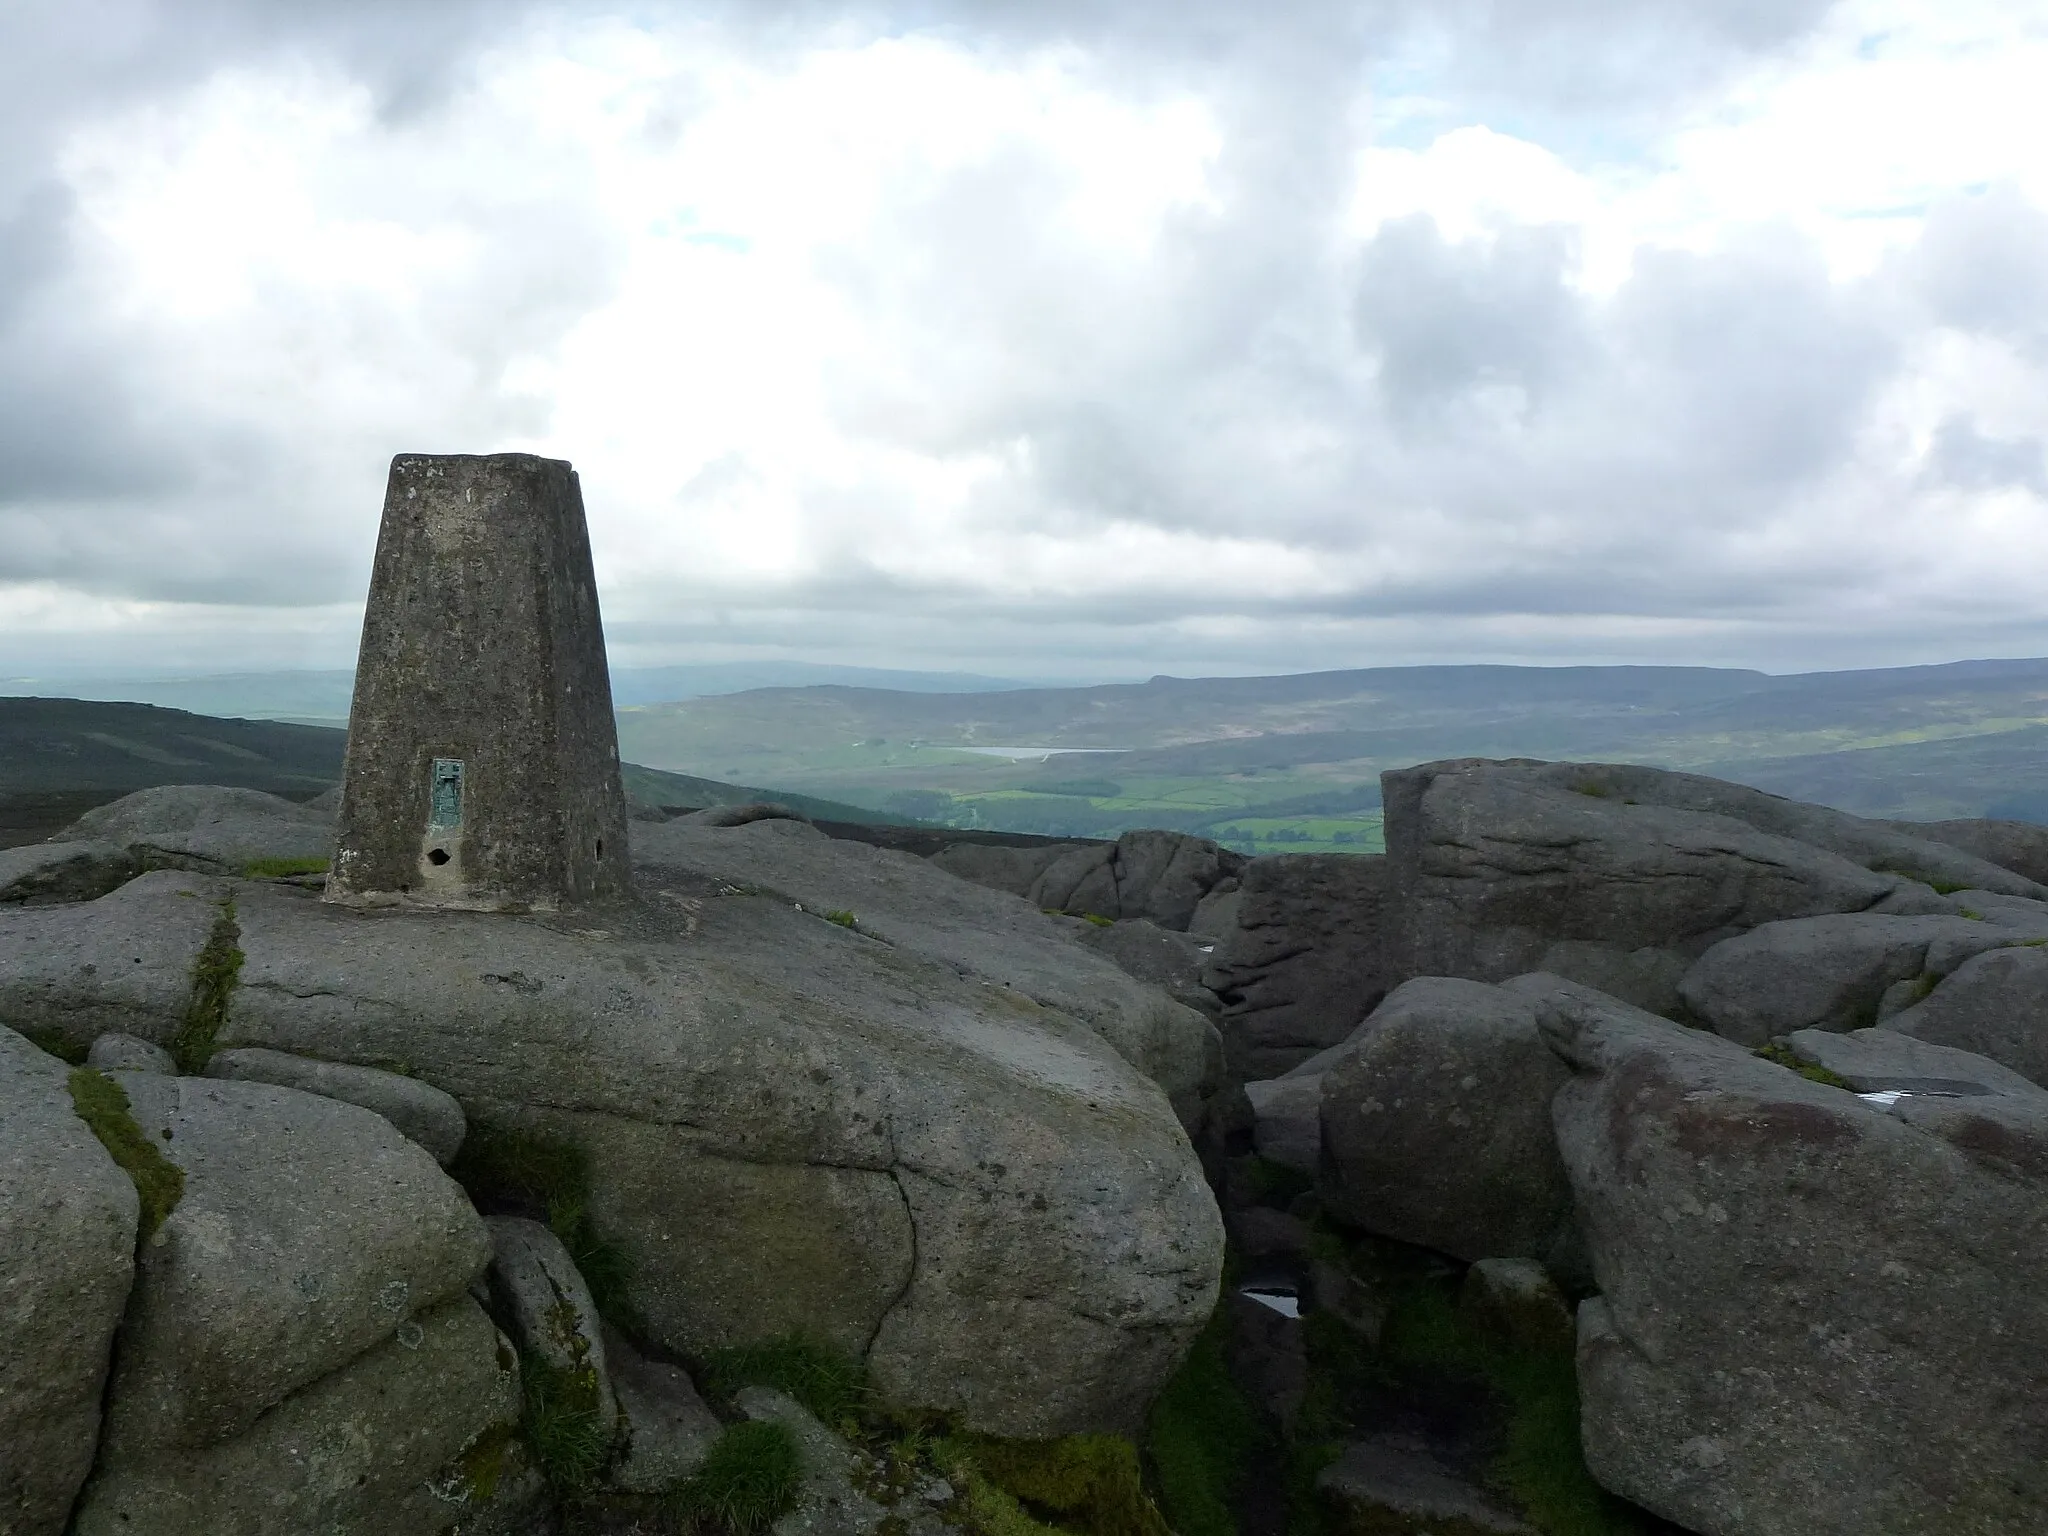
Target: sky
x=1042, y=337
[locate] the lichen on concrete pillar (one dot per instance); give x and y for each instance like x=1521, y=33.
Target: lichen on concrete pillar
x=483, y=759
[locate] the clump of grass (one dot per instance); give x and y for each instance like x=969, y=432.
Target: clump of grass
x=1781, y=1053
x=750, y=1477
x=564, y=1423
x=547, y=1178
x=214, y=974
x=1096, y=918
x=1949, y=887
x=1200, y=1436
x=159, y=1183
x=842, y=917
x=1593, y=788
x=279, y=869
x=806, y=1368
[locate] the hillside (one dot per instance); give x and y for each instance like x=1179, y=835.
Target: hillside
x=1293, y=762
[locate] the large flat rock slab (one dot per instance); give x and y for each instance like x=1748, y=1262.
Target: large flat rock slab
x=989, y=935
x=121, y=965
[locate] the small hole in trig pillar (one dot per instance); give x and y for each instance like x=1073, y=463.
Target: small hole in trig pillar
x=600, y=847
x=437, y=856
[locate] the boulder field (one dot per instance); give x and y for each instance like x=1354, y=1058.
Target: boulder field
x=1736, y=1108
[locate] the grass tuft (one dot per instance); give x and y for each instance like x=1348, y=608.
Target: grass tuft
x=842, y=917
x=1777, y=1051
x=806, y=1368
x=102, y=1104
x=214, y=974
x=749, y=1479
x=564, y=1423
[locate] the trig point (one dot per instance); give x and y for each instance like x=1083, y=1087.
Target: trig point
x=483, y=760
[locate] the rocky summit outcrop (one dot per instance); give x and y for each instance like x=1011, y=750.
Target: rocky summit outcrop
x=67, y=1231
x=1816, y=1315
x=884, y=1131
x=1835, y=972
x=1495, y=862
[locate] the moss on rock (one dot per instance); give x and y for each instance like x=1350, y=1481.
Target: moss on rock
x=104, y=1107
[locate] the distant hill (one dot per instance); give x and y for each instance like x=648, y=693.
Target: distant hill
x=61, y=757
x=319, y=697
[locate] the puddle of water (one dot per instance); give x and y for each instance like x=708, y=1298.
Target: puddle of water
x=1033, y=754
x=1286, y=1303
x=1885, y=1098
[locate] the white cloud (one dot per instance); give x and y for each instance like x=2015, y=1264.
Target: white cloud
x=952, y=344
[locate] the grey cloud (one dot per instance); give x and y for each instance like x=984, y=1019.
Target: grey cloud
x=1982, y=267
x=1966, y=458
x=1443, y=318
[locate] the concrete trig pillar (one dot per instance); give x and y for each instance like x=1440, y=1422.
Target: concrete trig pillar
x=483, y=759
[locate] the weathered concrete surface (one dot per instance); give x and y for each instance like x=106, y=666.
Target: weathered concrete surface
x=308, y=1231
x=1816, y=1318
x=972, y=1188
x=368, y=1450
x=482, y=652
x=1314, y=948
x=120, y=965
x=67, y=1256
x=419, y=1110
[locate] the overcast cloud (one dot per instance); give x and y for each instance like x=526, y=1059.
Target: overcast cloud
x=1042, y=338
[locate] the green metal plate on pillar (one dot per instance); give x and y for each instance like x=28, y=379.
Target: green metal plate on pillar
x=446, y=802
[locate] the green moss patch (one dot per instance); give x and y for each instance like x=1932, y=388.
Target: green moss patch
x=214, y=975
x=279, y=869
x=750, y=1478
x=1200, y=1437
x=1542, y=1466
x=104, y=1107
x=842, y=917
x=1089, y=1483
x=1777, y=1051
